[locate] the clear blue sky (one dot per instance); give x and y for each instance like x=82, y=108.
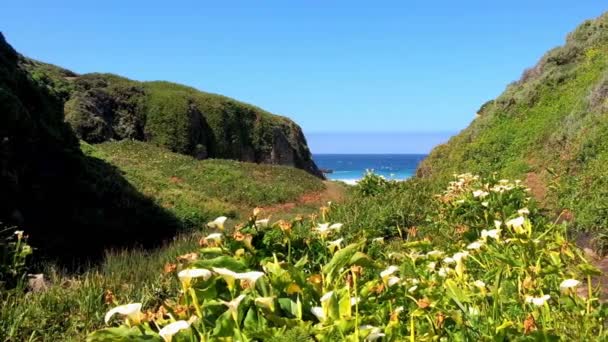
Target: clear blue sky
x=333, y=66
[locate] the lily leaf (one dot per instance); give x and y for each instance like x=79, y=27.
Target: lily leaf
x=123, y=334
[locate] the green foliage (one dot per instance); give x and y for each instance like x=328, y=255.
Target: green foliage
x=549, y=129
x=14, y=252
x=197, y=190
x=497, y=280
x=385, y=210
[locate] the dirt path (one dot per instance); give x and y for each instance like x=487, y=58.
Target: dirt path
x=333, y=192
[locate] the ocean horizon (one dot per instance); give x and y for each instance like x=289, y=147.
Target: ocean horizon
x=351, y=167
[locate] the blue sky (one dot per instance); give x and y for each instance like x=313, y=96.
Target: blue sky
x=333, y=66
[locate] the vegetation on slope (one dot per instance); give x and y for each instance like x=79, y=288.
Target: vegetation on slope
x=103, y=107
x=196, y=191
x=63, y=197
x=550, y=129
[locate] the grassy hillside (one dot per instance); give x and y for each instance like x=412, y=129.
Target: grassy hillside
x=70, y=204
x=196, y=191
x=550, y=129
x=103, y=107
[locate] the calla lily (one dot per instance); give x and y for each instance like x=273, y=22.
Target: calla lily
x=479, y=284
x=217, y=237
x=443, y=272
x=538, y=301
x=251, y=277
x=568, y=284
x=336, y=226
x=492, y=233
x=186, y=275
x=265, y=302
x=131, y=311
x=392, y=281
x=169, y=330
x=228, y=275
x=480, y=193
x=318, y=312
x=517, y=224
x=218, y=223
x=354, y=300
x=233, y=306
x=332, y=245
x=448, y=260
x=475, y=245
x=523, y=211
x=460, y=255
x=322, y=229
x=412, y=289
x=379, y=240
x=327, y=296
x=262, y=223
x=389, y=271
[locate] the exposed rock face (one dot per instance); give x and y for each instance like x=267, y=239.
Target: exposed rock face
x=102, y=107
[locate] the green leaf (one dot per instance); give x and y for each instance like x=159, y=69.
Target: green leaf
x=223, y=262
x=123, y=334
x=341, y=259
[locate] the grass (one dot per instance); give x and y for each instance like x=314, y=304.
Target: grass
x=551, y=126
x=196, y=191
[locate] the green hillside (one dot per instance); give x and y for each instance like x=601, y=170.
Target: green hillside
x=196, y=191
x=74, y=204
x=549, y=129
x=104, y=107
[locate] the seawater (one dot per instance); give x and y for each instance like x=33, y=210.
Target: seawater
x=350, y=168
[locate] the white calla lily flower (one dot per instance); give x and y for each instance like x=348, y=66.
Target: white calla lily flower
x=389, y=271
x=516, y=224
x=480, y=193
x=480, y=284
x=393, y=281
x=265, y=302
x=318, y=312
x=251, y=277
x=326, y=296
x=523, y=211
x=218, y=223
x=233, y=306
x=336, y=226
x=186, y=276
x=537, y=301
x=568, y=284
x=169, y=330
x=217, y=237
x=262, y=223
x=475, y=245
x=492, y=233
x=131, y=311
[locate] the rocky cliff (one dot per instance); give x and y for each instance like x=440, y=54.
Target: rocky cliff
x=102, y=107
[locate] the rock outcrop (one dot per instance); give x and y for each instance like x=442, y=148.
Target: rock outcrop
x=102, y=107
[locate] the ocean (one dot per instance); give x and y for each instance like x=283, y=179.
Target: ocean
x=349, y=168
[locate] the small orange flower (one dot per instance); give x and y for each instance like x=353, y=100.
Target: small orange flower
x=529, y=324
x=357, y=270
x=188, y=257
x=439, y=319
x=315, y=279
x=423, y=303
x=203, y=243
x=238, y=236
x=109, y=298
x=285, y=226
x=462, y=229
x=412, y=231
x=169, y=268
